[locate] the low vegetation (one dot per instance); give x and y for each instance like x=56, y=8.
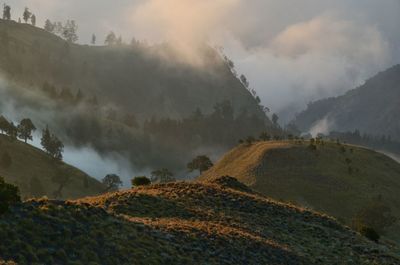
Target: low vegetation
x=220, y=222
x=354, y=184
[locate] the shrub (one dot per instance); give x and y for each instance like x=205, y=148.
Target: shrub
x=9, y=194
x=140, y=181
x=370, y=233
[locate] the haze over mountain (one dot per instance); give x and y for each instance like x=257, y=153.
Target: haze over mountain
x=127, y=100
x=372, y=108
x=292, y=52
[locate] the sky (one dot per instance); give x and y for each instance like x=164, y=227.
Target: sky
x=293, y=52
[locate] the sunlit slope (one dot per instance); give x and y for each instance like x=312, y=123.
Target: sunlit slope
x=181, y=223
x=320, y=179
x=37, y=174
x=138, y=78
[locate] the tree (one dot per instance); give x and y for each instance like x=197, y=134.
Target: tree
x=51, y=144
x=140, y=181
x=244, y=81
x=25, y=129
x=49, y=26
x=6, y=12
x=26, y=15
x=275, y=119
x=201, y=163
x=69, y=32
x=9, y=195
x=112, y=182
x=4, y=124
x=162, y=176
x=93, y=39
x=12, y=131
x=111, y=39
x=33, y=20
x=250, y=140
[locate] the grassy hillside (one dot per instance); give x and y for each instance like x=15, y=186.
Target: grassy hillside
x=143, y=102
x=340, y=180
x=181, y=223
x=37, y=174
x=371, y=108
x=133, y=78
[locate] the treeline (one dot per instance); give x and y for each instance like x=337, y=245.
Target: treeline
x=378, y=142
x=49, y=141
x=222, y=127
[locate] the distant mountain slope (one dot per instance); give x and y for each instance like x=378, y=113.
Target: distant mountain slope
x=337, y=180
x=138, y=78
x=372, y=108
x=37, y=174
x=181, y=223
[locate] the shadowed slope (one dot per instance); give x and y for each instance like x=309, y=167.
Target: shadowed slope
x=181, y=223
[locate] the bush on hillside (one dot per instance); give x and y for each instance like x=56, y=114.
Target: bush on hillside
x=140, y=181
x=370, y=233
x=9, y=194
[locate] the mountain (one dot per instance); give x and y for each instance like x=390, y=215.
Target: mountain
x=371, y=108
x=138, y=78
x=218, y=222
x=145, y=103
x=340, y=180
x=37, y=174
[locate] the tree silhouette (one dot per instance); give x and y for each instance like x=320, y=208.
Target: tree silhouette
x=69, y=32
x=111, y=39
x=275, y=119
x=12, y=131
x=26, y=15
x=25, y=129
x=6, y=12
x=201, y=163
x=93, y=39
x=140, y=181
x=4, y=124
x=49, y=26
x=33, y=20
x=112, y=182
x=51, y=144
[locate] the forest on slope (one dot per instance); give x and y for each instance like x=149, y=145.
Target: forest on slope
x=141, y=101
x=371, y=110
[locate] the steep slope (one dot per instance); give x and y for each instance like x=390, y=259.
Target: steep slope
x=132, y=78
x=339, y=180
x=372, y=108
x=180, y=223
x=37, y=174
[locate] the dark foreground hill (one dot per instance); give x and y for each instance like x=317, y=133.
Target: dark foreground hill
x=37, y=174
x=371, y=108
x=340, y=180
x=180, y=223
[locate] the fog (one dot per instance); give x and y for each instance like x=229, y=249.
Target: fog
x=292, y=52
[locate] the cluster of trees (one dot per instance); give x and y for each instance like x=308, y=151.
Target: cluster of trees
x=23, y=130
x=27, y=15
x=51, y=144
x=67, y=30
x=219, y=128
x=113, y=182
x=66, y=95
x=379, y=142
x=112, y=39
